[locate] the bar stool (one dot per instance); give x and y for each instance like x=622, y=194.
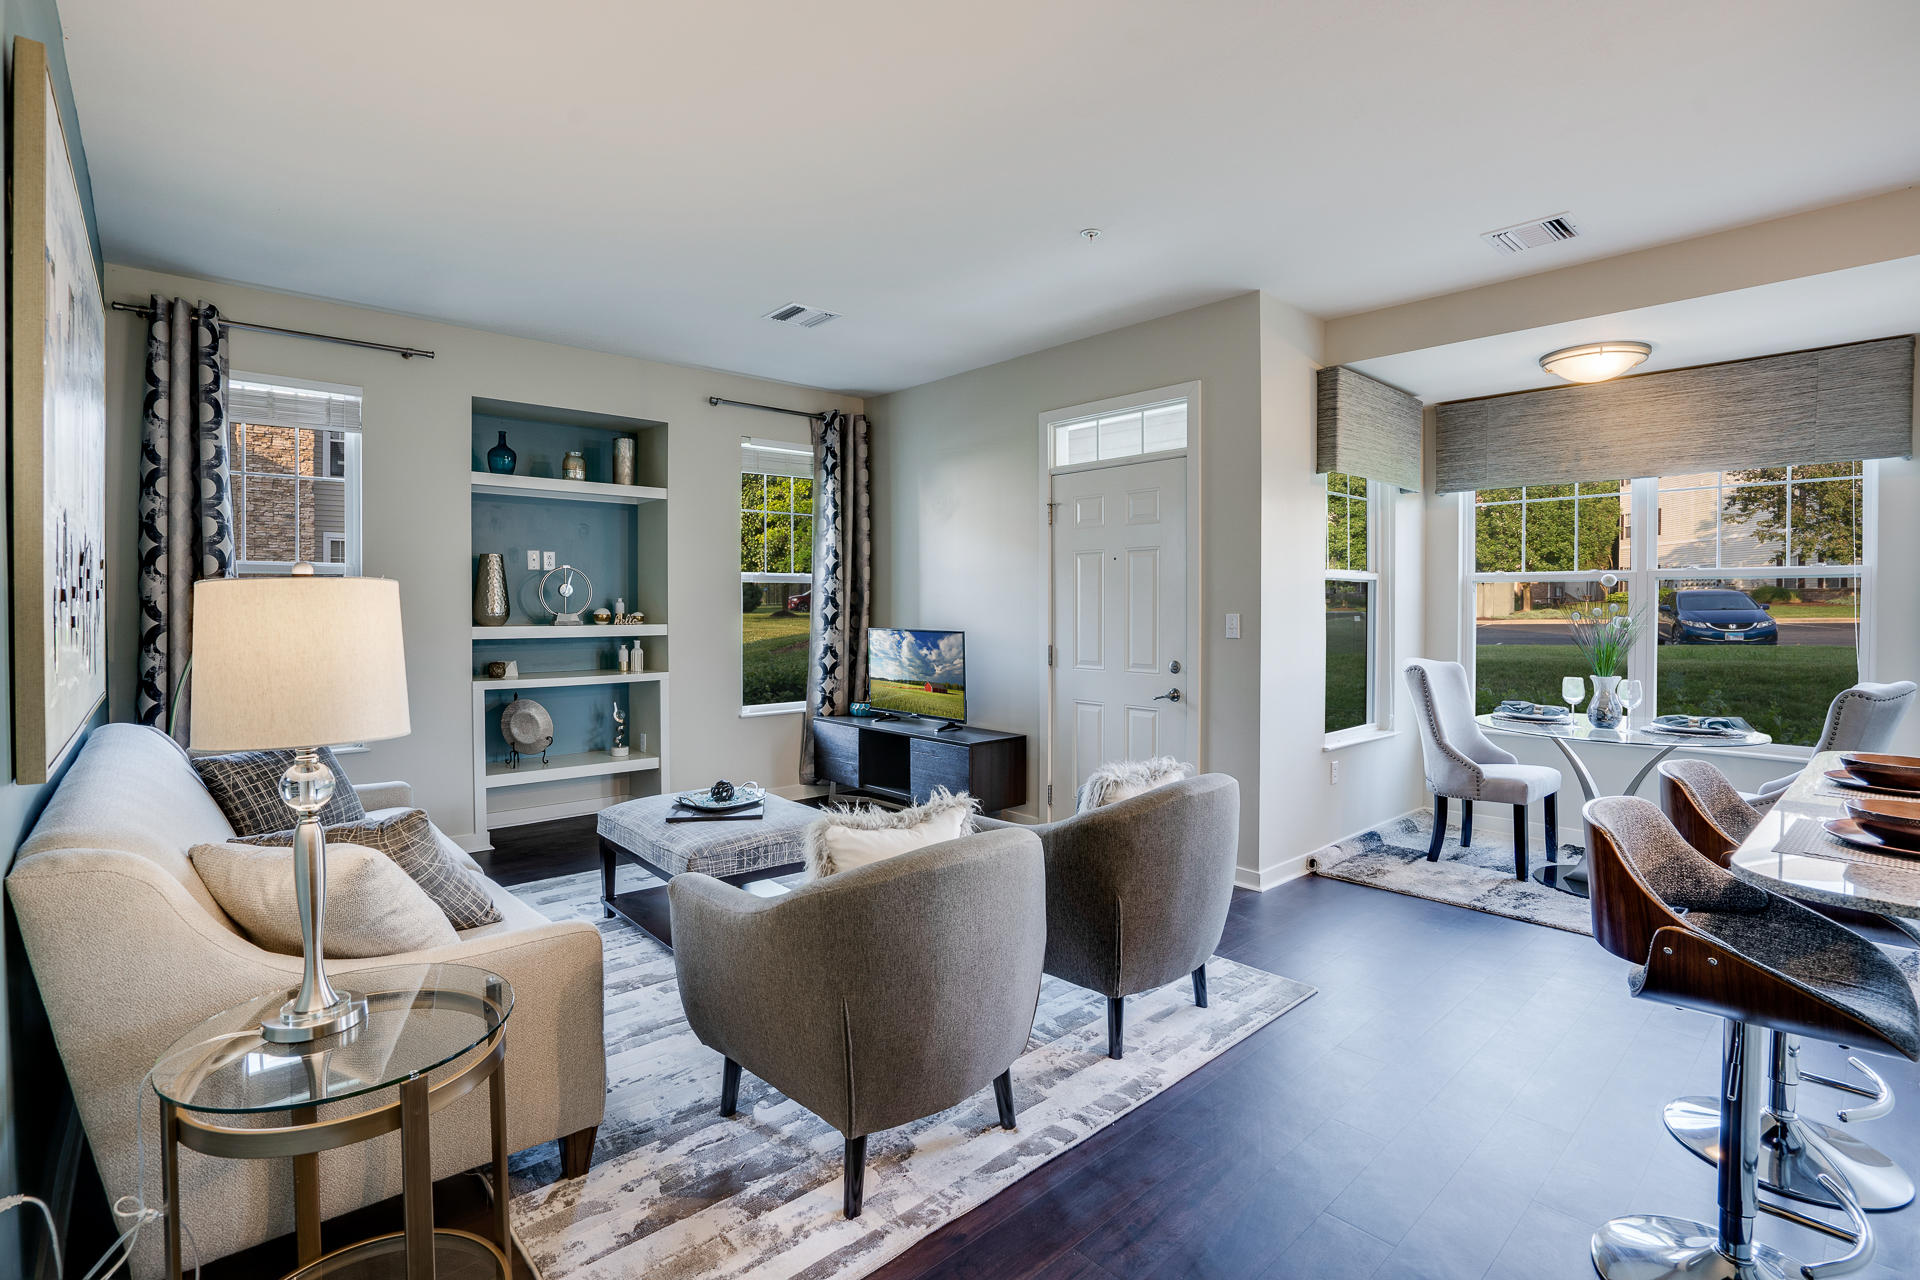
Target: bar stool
x=1794, y=1151
x=1703, y=940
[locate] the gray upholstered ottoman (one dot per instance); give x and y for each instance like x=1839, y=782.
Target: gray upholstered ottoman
x=738, y=851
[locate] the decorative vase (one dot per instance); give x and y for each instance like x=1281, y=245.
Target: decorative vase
x=623, y=460
x=490, y=591
x=574, y=466
x=501, y=458
x=1605, y=710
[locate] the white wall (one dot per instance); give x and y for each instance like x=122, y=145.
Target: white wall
x=416, y=462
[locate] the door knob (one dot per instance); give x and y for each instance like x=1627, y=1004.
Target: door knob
x=1171, y=695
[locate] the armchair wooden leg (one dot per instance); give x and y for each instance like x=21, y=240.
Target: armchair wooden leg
x=729, y=1087
x=1200, y=986
x=576, y=1152
x=1553, y=826
x=1466, y=823
x=1116, y=1025
x=1439, y=828
x=856, y=1176
x=1519, y=842
x=1003, y=1097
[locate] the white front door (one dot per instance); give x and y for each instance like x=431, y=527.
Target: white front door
x=1119, y=619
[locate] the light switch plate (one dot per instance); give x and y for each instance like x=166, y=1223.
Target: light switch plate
x=1233, y=626
x=533, y=559
x=547, y=560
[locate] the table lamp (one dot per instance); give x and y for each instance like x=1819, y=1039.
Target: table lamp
x=300, y=662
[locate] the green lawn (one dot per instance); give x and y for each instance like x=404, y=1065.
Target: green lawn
x=773, y=656
x=913, y=698
x=1782, y=690
x=1346, y=669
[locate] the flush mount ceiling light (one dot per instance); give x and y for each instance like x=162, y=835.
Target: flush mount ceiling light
x=1595, y=361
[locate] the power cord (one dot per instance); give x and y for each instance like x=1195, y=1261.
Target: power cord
x=53, y=1233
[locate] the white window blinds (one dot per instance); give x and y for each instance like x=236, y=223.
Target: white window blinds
x=775, y=458
x=282, y=404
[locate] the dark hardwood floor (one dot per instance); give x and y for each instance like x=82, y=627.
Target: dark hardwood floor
x=1466, y=1099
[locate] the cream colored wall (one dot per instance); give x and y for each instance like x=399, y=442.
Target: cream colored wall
x=416, y=462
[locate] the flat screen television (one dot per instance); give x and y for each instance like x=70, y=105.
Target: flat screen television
x=918, y=673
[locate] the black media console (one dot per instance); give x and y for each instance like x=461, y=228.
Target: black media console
x=906, y=759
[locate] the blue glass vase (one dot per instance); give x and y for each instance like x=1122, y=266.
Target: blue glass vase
x=501, y=458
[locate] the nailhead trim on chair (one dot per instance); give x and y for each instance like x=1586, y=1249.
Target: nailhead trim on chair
x=1439, y=741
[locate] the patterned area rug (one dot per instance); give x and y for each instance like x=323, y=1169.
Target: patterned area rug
x=678, y=1193
x=1394, y=856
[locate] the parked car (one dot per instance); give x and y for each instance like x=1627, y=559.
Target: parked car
x=1716, y=616
x=800, y=603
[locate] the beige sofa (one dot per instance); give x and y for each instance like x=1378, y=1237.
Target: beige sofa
x=130, y=952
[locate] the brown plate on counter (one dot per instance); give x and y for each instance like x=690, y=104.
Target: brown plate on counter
x=1897, y=820
x=1841, y=778
x=1851, y=832
x=1900, y=773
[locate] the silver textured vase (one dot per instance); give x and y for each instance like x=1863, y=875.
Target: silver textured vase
x=490, y=591
x=623, y=460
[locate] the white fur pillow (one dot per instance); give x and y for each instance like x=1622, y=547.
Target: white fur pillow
x=1125, y=779
x=842, y=839
x=373, y=907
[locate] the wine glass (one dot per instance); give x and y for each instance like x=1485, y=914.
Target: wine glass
x=1630, y=695
x=1573, y=690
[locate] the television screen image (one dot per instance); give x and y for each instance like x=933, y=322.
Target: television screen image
x=918, y=673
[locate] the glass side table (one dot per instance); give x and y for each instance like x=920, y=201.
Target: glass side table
x=419, y=1017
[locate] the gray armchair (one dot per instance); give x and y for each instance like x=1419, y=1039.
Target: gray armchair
x=1138, y=890
x=1464, y=765
x=1862, y=718
x=876, y=996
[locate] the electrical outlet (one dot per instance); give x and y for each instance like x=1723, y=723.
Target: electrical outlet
x=547, y=560
x=1233, y=626
x=1333, y=773
x=533, y=559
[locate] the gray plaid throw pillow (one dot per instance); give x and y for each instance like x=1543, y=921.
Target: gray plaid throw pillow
x=407, y=838
x=246, y=786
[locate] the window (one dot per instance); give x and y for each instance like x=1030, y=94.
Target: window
x=1128, y=433
x=1749, y=584
x=294, y=452
x=776, y=573
x=1354, y=511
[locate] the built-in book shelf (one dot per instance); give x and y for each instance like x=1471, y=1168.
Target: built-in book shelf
x=616, y=534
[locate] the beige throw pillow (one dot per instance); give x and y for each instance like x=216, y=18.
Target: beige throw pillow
x=373, y=908
x=842, y=839
x=1125, y=779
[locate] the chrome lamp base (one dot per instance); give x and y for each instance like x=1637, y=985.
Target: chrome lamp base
x=1650, y=1247
x=316, y=1009
x=293, y=1027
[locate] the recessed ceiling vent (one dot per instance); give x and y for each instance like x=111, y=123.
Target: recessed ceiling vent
x=1532, y=235
x=800, y=314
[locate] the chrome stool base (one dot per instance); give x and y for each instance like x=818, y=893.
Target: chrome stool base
x=1877, y=1183
x=1650, y=1247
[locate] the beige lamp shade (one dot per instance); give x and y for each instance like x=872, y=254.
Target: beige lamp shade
x=305, y=661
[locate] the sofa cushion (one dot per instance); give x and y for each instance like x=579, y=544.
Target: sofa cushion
x=841, y=839
x=1124, y=779
x=246, y=786
x=373, y=909
x=408, y=838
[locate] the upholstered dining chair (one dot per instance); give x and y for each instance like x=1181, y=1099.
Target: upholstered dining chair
x=1862, y=718
x=1701, y=939
x=1464, y=765
x=1793, y=1151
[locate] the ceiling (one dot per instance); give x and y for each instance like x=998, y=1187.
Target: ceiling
x=651, y=178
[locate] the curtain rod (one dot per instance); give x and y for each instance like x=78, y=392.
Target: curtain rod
x=405, y=353
x=764, y=408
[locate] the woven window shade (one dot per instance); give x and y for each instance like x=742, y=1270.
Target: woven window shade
x=269, y=405
x=1367, y=428
x=1837, y=404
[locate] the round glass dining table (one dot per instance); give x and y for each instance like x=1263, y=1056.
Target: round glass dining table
x=1569, y=875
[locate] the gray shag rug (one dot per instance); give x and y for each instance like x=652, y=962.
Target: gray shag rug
x=676, y=1192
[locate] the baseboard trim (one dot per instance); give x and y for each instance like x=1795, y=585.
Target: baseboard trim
x=1266, y=878
x=547, y=812
x=1309, y=861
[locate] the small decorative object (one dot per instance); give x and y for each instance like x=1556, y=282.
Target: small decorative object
x=513, y=669
x=623, y=460
x=601, y=617
x=490, y=591
x=619, y=606
x=566, y=592
x=501, y=458
x=639, y=659
x=721, y=791
x=574, y=466
x=628, y=619
x=528, y=730
x=619, y=732
x=861, y=709
x=623, y=658
x=1605, y=633
x=711, y=799
x=496, y=671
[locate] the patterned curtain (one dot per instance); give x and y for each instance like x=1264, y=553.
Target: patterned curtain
x=842, y=573
x=186, y=496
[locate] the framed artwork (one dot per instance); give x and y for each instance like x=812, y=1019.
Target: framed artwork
x=58, y=437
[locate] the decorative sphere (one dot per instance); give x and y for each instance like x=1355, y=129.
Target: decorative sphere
x=722, y=791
